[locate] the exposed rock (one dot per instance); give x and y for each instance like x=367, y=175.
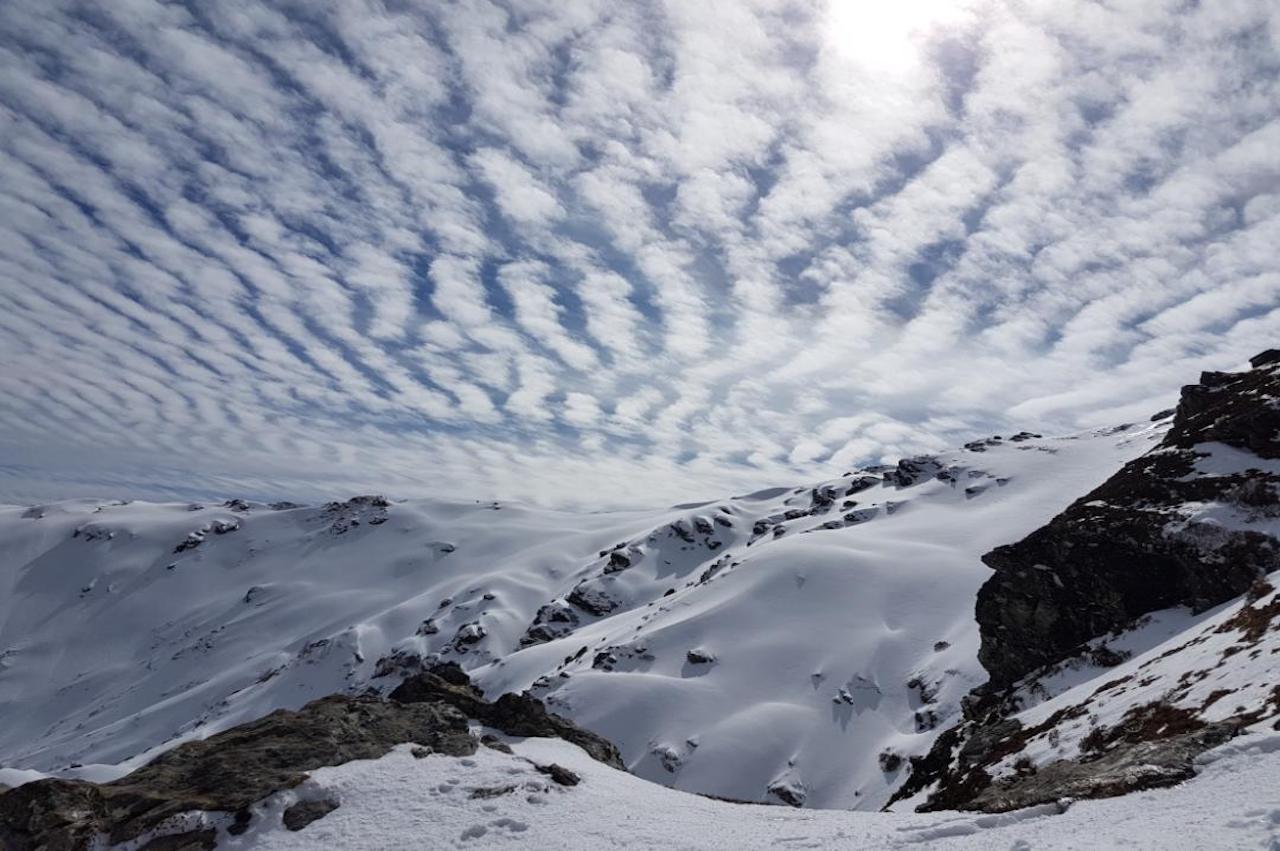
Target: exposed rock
x=822, y=499
x=452, y=673
x=591, y=598
x=698, y=656
x=230, y=771
x=1127, y=548
x=682, y=530
x=494, y=743
x=982, y=745
x=301, y=814
x=618, y=561
x=606, y=659
x=469, y=633
x=204, y=839
x=716, y=566
x=560, y=774
x=1267, y=358
x=552, y=621
x=487, y=792
x=790, y=792
x=515, y=715
x=193, y=540
x=370, y=509
x=226, y=772
x=911, y=471
x=402, y=661
x=1130, y=767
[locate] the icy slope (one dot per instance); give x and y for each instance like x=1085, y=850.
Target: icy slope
x=790, y=645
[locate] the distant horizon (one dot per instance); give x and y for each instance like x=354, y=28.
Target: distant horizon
x=578, y=254
x=165, y=489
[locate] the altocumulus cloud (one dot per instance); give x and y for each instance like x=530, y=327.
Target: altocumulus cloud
x=617, y=252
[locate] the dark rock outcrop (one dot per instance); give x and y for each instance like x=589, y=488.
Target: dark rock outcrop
x=513, y=714
x=230, y=771
x=560, y=774
x=303, y=813
x=1134, y=545
x=1153, y=746
x=225, y=773
x=1126, y=549
x=554, y=620
x=590, y=596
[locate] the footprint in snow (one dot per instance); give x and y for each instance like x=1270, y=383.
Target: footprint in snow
x=511, y=825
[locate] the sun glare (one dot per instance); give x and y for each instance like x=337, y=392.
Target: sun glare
x=886, y=35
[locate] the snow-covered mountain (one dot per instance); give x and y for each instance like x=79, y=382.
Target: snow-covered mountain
x=816, y=646
x=776, y=641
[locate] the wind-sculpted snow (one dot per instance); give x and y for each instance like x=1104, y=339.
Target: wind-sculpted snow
x=793, y=645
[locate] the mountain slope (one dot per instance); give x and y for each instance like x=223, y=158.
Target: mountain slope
x=1127, y=578
x=791, y=645
x=1192, y=522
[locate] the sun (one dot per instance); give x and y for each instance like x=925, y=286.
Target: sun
x=886, y=35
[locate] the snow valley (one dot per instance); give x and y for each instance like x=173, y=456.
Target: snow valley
x=949, y=650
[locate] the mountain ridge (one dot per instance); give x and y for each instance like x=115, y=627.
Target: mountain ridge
x=816, y=646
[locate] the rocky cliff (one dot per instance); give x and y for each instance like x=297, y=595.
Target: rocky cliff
x=1174, y=527
x=1138, y=628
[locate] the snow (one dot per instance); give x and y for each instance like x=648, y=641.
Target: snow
x=1207, y=664
x=113, y=645
x=399, y=802
x=726, y=658
x=1219, y=459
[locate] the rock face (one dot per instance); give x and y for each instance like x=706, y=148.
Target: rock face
x=1191, y=523
x=228, y=772
x=513, y=714
x=1141, y=541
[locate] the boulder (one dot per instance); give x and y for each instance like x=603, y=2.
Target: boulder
x=301, y=814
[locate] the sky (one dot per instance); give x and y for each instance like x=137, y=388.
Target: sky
x=590, y=253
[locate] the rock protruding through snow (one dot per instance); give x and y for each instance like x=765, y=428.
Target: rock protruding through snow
x=229, y=772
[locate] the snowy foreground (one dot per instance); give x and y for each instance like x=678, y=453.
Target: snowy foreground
x=399, y=802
